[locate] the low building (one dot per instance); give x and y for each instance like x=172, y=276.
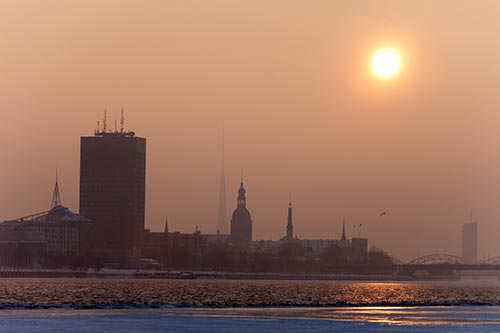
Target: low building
x=360, y=244
x=64, y=232
x=172, y=249
x=317, y=246
x=19, y=248
x=215, y=238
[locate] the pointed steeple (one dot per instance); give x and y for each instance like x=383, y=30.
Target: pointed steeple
x=242, y=200
x=166, y=225
x=222, y=212
x=289, y=226
x=56, y=196
x=343, y=238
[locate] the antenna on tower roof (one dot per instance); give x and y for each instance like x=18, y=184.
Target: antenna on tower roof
x=116, y=130
x=104, y=122
x=122, y=121
x=56, y=197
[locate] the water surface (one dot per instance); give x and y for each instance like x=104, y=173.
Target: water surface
x=131, y=305
x=122, y=293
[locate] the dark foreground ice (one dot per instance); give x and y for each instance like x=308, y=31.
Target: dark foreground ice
x=358, y=319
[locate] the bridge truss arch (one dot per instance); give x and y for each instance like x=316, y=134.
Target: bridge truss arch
x=396, y=261
x=438, y=259
x=492, y=261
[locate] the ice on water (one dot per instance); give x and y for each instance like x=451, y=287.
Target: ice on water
x=365, y=319
x=131, y=305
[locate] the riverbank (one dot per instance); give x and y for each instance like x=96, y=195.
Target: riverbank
x=155, y=274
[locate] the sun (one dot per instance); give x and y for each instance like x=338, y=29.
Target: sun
x=386, y=63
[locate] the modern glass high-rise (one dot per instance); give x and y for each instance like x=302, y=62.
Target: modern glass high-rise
x=112, y=191
x=469, y=242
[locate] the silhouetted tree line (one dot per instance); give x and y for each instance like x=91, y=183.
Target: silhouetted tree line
x=288, y=257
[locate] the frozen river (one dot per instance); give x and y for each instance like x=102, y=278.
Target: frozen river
x=131, y=305
x=359, y=319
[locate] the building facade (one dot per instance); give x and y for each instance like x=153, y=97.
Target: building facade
x=317, y=246
x=40, y=238
x=172, y=249
x=19, y=248
x=64, y=232
x=112, y=192
x=469, y=242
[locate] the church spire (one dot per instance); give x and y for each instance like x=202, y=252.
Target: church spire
x=242, y=200
x=289, y=226
x=56, y=196
x=166, y=225
x=343, y=231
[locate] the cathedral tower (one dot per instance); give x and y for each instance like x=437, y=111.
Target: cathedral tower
x=241, y=221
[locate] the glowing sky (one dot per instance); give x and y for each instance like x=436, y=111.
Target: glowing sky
x=386, y=63
x=303, y=114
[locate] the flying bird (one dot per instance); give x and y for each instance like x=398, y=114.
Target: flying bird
x=384, y=213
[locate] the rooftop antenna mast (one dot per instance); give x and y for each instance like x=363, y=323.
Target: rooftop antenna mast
x=56, y=196
x=122, y=122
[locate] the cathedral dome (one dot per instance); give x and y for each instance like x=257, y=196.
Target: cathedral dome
x=241, y=214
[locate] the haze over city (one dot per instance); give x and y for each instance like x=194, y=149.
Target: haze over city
x=290, y=86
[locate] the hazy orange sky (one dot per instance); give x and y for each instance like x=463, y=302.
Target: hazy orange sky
x=303, y=116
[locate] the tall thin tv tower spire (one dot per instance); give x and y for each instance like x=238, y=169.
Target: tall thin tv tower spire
x=222, y=213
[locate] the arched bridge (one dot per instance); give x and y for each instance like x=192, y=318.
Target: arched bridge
x=447, y=264
x=447, y=259
x=439, y=259
x=492, y=261
x=396, y=261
